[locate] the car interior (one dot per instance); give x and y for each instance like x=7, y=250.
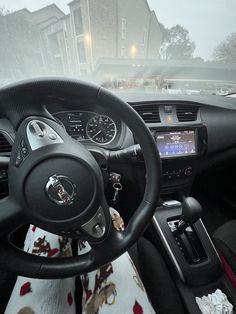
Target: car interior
x=166, y=164
x=109, y=105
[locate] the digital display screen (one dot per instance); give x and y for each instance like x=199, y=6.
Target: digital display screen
x=176, y=144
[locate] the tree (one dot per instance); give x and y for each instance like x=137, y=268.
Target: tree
x=226, y=51
x=176, y=43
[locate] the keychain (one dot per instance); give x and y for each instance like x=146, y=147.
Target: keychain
x=117, y=220
x=117, y=187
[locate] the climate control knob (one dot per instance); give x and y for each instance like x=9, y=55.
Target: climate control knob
x=188, y=171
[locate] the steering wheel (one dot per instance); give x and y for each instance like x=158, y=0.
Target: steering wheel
x=56, y=184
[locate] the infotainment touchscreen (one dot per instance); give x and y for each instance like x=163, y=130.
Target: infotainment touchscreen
x=176, y=144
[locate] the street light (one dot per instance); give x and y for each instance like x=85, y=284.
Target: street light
x=133, y=51
x=88, y=39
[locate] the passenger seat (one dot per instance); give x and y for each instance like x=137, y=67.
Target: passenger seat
x=225, y=241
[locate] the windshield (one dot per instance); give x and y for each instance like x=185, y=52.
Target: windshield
x=163, y=46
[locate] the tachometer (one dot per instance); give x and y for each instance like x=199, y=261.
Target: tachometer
x=101, y=129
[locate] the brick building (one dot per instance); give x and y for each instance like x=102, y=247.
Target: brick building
x=73, y=44
x=102, y=29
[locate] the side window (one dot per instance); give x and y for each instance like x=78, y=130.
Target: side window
x=78, y=22
x=123, y=28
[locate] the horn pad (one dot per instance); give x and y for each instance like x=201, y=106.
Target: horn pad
x=60, y=188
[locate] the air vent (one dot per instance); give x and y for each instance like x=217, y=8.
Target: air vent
x=149, y=113
x=187, y=113
x=5, y=146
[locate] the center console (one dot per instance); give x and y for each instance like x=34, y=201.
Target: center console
x=180, y=150
x=191, y=252
x=187, y=242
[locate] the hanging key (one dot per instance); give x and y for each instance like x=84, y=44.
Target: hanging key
x=117, y=187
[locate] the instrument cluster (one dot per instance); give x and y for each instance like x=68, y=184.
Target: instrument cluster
x=88, y=126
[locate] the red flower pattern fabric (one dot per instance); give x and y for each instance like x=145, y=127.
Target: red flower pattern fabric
x=70, y=299
x=137, y=308
x=25, y=288
x=110, y=289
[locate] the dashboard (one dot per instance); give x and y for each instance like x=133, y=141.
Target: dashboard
x=190, y=132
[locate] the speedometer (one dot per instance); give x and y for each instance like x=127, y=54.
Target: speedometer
x=101, y=129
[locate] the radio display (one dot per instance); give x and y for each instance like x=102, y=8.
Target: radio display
x=176, y=144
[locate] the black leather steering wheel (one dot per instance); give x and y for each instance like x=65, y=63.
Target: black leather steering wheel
x=56, y=184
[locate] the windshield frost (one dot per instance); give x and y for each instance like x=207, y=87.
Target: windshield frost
x=121, y=44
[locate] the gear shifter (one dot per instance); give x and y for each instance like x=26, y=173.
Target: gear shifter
x=184, y=233
x=191, y=212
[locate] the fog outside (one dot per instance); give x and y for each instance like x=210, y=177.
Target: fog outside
x=122, y=45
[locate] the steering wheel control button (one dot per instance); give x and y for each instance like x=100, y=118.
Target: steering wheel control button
x=19, y=158
x=41, y=134
x=37, y=128
x=60, y=190
x=52, y=136
x=100, y=217
x=95, y=227
x=24, y=148
x=98, y=230
x=22, y=153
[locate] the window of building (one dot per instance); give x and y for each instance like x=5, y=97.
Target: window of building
x=78, y=21
x=58, y=67
x=83, y=72
x=123, y=28
x=81, y=52
x=122, y=51
x=54, y=44
x=144, y=36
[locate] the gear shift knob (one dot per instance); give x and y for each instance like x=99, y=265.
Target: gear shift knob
x=191, y=212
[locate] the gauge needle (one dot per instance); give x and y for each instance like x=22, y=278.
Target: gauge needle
x=97, y=134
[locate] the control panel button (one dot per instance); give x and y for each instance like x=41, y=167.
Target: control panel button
x=22, y=153
x=19, y=158
x=172, y=174
x=188, y=171
x=37, y=128
x=95, y=227
x=3, y=174
x=40, y=134
x=52, y=136
x=24, y=148
x=98, y=230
